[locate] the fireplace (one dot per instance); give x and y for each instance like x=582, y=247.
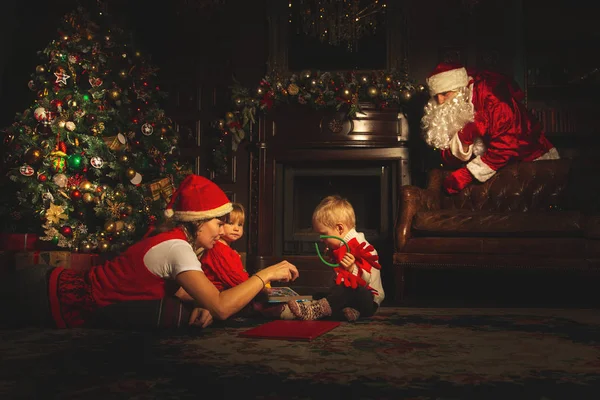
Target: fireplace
x=299, y=189
x=300, y=155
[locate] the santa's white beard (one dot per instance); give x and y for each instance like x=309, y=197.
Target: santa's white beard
x=441, y=122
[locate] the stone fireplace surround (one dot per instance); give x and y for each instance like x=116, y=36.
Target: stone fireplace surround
x=294, y=145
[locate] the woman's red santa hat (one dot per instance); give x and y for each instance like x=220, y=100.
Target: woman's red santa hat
x=447, y=77
x=198, y=198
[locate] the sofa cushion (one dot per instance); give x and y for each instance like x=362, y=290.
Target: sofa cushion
x=476, y=223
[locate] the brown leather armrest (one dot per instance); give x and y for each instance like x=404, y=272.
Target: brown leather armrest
x=413, y=199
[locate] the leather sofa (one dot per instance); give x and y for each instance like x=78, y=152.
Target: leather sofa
x=541, y=214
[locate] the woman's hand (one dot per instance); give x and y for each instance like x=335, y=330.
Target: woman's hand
x=348, y=262
x=283, y=271
x=200, y=317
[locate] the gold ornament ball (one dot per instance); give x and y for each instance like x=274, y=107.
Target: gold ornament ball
x=85, y=185
x=110, y=226
x=85, y=247
x=405, y=94
x=130, y=227
x=40, y=69
x=33, y=156
x=372, y=91
x=229, y=115
x=103, y=246
x=124, y=159
x=130, y=174
x=119, y=225
x=88, y=198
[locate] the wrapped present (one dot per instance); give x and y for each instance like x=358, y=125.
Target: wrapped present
x=24, y=259
x=160, y=189
x=66, y=259
x=18, y=241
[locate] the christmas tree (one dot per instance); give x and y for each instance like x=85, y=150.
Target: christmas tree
x=90, y=165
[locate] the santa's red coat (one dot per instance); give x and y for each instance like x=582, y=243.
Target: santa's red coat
x=509, y=130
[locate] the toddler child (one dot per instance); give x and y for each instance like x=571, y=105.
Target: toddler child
x=358, y=290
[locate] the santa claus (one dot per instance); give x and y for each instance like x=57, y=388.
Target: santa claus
x=478, y=118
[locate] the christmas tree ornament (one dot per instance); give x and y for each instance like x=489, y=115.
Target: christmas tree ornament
x=88, y=198
x=130, y=173
x=137, y=179
x=42, y=177
x=61, y=77
x=96, y=162
x=58, y=161
x=70, y=126
x=76, y=194
x=32, y=86
x=85, y=185
x=43, y=129
x=60, y=180
x=39, y=114
x=26, y=170
x=74, y=162
x=85, y=247
x=103, y=246
x=40, y=69
x=147, y=129
x=33, y=156
x=66, y=230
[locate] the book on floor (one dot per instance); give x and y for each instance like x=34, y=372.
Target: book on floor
x=291, y=330
x=283, y=294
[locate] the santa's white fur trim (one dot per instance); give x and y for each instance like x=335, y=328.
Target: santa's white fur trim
x=206, y=214
x=551, y=154
x=457, y=149
x=447, y=81
x=480, y=170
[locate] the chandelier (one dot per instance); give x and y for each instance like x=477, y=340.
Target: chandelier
x=338, y=22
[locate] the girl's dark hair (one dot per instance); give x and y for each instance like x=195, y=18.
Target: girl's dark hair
x=190, y=227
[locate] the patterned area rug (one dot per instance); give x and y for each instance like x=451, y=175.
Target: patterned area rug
x=402, y=353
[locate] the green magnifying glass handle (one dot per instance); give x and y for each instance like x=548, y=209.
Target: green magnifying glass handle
x=319, y=251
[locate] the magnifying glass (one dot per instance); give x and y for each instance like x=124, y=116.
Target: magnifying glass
x=330, y=237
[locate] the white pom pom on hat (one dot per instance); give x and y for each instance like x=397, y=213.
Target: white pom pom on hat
x=198, y=198
x=446, y=77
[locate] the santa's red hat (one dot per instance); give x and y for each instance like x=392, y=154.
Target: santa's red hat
x=446, y=77
x=198, y=198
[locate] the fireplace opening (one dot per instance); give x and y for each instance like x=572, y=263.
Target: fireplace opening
x=300, y=189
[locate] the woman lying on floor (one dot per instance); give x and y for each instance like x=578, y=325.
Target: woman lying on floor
x=136, y=279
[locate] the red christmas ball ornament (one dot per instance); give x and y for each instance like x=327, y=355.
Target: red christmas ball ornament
x=76, y=194
x=42, y=178
x=66, y=231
